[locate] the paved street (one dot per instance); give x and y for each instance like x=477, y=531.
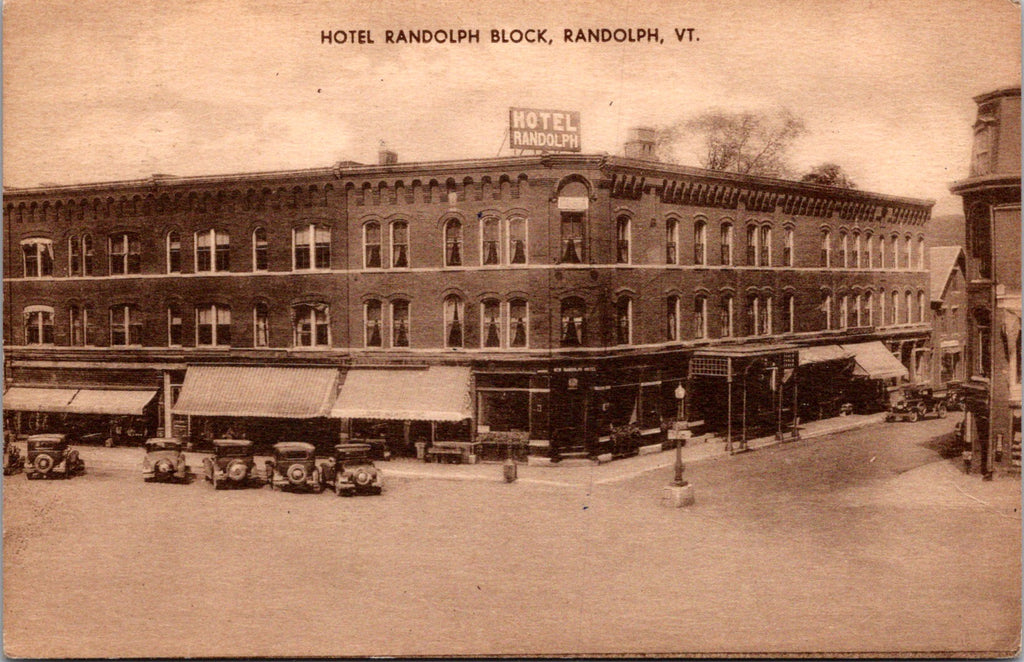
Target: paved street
x=867, y=540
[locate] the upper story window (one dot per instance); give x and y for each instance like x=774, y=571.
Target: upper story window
x=572, y=237
x=78, y=325
x=725, y=316
x=852, y=310
x=311, y=247
x=726, y=244
x=453, y=243
x=454, y=314
x=125, y=325
x=624, y=320
x=213, y=251
x=908, y=308
x=622, y=239
x=753, y=316
x=752, y=245
x=700, y=240
x=491, y=323
x=767, y=311
x=826, y=307
x=490, y=241
x=671, y=241
x=867, y=316
x=787, y=248
x=858, y=252
x=37, y=256
x=125, y=256
x=700, y=316
x=573, y=322
x=87, y=255
x=672, y=318
x=788, y=313
x=260, y=325
x=982, y=343
x=400, y=325
x=400, y=245
x=765, y=246
x=38, y=325
x=174, y=326
x=173, y=252
x=895, y=308
x=517, y=240
x=519, y=323
x=373, y=316
x=80, y=255
x=894, y=252
x=920, y=253
x=371, y=246
x=979, y=241
x=922, y=311
x=844, y=249
x=878, y=259
x=905, y=255
x=311, y=325
x=826, y=248
x=213, y=325
x=260, y=250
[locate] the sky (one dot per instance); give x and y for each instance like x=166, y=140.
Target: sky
x=98, y=90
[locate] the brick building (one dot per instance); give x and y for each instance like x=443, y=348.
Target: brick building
x=544, y=302
x=991, y=195
x=948, y=316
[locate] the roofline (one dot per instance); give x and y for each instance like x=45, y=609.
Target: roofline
x=350, y=169
x=1001, y=180
x=1009, y=91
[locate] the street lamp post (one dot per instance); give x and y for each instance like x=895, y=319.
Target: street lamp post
x=680, y=394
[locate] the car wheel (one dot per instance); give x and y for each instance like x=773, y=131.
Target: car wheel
x=914, y=416
x=44, y=463
x=941, y=411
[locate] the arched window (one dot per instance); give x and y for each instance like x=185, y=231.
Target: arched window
x=624, y=320
x=125, y=325
x=87, y=255
x=725, y=316
x=38, y=325
x=672, y=318
x=852, y=310
x=753, y=315
x=74, y=255
x=213, y=325
x=574, y=333
x=311, y=325
x=700, y=240
x=726, y=243
x=671, y=241
x=453, y=243
x=372, y=319
x=490, y=241
x=868, y=313
x=174, y=325
x=371, y=246
x=857, y=251
x=826, y=307
x=765, y=246
x=920, y=252
x=844, y=308
x=894, y=252
x=572, y=236
x=879, y=260
x=78, y=322
x=787, y=248
x=173, y=252
x=905, y=258
x=260, y=250
x=826, y=248
x=490, y=313
x=453, y=321
x=400, y=324
x=788, y=312
x=982, y=342
x=519, y=323
x=400, y=245
x=908, y=308
x=37, y=256
x=124, y=252
x=260, y=325
x=622, y=237
x=700, y=316
x=844, y=249
x=895, y=299
x=213, y=251
x=311, y=247
x=752, y=245
x=517, y=240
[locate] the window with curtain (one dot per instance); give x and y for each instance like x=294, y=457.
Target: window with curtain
x=765, y=246
x=518, y=317
x=74, y=256
x=826, y=248
x=400, y=245
x=787, y=248
x=311, y=325
x=260, y=250
x=491, y=314
x=78, y=321
x=725, y=316
x=700, y=309
x=371, y=246
x=400, y=323
x=726, y=243
x=672, y=318
x=572, y=237
x=624, y=320
x=453, y=243
x=260, y=325
x=372, y=318
x=671, y=241
x=454, y=316
x=573, y=322
x=622, y=237
x=517, y=240
x=700, y=239
x=751, y=246
x=490, y=241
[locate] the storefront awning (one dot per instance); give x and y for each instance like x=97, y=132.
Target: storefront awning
x=438, y=393
x=823, y=353
x=107, y=401
x=263, y=392
x=874, y=361
x=25, y=398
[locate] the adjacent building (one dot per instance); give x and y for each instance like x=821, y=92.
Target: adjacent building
x=948, y=317
x=991, y=195
x=538, y=303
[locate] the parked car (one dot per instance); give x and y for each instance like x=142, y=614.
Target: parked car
x=165, y=461
x=915, y=402
x=233, y=464
x=350, y=471
x=14, y=461
x=52, y=455
x=294, y=466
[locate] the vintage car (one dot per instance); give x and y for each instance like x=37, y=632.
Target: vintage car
x=913, y=403
x=51, y=455
x=351, y=471
x=14, y=461
x=165, y=461
x=233, y=464
x=293, y=466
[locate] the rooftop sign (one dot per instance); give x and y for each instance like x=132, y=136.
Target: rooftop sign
x=547, y=130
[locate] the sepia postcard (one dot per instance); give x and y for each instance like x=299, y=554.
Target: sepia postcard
x=480, y=329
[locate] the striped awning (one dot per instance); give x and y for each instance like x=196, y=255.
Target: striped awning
x=108, y=401
x=26, y=398
x=874, y=361
x=823, y=353
x=264, y=392
x=437, y=393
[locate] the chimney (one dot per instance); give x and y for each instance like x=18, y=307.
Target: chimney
x=640, y=144
x=387, y=157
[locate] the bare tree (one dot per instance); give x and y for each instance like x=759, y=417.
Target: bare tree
x=752, y=143
x=829, y=174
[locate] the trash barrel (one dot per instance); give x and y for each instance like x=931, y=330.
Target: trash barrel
x=421, y=450
x=510, y=469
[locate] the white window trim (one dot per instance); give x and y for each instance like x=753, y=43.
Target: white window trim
x=790, y=246
x=629, y=239
x=391, y=246
x=461, y=309
x=791, y=309
x=39, y=243
x=125, y=309
x=311, y=228
x=29, y=310
x=730, y=234
x=504, y=339
x=826, y=245
x=212, y=232
x=526, y=322
x=366, y=323
x=84, y=312
x=252, y=240
x=501, y=241
x=214, y=308
x=700, y=229
x=675, y=299
x=702, y=299
x=167, y=252
x=380, y=248
x=391, y=322
x=672, y=237
x=312, y=329
x=828, y=310
x=768, y=305
x=255, y=326
x=732, y=318
x=71, y=240
x=761, y=245
x=526, y=240
x=169, y=325
x=462, y=243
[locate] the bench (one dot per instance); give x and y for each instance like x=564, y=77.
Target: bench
x=456, y=452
